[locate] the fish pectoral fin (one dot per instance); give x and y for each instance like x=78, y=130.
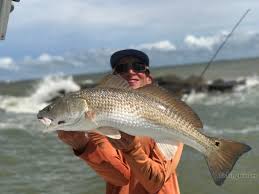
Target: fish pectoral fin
x=90, y=115
x=168, y=147
x=109, y=132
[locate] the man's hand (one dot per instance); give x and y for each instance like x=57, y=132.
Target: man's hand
x=125, y=143
x=77, y=140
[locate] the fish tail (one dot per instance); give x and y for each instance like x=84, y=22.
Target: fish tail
x=222, y=159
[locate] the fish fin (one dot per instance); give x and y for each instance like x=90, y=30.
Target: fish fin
x=167, y=147
x=109, y=132
x=113, y=81
x=90, y=115
x=222, y=160
x=168, y=99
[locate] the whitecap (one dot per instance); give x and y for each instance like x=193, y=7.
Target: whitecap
x=246, y=94
x=246, y=130
x=44, y=91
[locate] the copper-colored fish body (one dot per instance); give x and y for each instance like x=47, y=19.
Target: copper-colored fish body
x=150, y=111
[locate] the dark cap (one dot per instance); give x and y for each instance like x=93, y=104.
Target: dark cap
x=129, y=52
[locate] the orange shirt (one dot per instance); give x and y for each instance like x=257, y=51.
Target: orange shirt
x=142, y=169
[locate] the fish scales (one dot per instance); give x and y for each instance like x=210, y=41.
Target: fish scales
x=139, y=106
x=150, y=111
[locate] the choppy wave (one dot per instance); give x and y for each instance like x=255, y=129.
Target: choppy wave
x=44, y=91
x=50, y=87
x=247, y=130
x=247, y=93
x=251, y=82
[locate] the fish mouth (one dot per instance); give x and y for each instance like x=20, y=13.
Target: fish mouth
x=46, y=121
x=52, y=125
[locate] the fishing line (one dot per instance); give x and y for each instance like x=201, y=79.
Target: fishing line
x=184, y=98
x=223, y=43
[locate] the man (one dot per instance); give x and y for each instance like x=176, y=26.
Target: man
x=131, y=164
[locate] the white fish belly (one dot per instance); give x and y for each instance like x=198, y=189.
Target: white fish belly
x=138, y=126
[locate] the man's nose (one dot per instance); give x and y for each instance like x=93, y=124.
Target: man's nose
x=131, y=71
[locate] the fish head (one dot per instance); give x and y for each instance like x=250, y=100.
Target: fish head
x=64, y=113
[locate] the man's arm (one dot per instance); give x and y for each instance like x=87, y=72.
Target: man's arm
x=151, y=170
x=98, y=153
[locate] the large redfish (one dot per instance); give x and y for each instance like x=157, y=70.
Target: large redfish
x=150, y=111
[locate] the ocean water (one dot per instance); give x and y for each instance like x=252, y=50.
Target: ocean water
x=32, y=162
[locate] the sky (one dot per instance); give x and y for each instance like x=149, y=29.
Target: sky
x=47, y=30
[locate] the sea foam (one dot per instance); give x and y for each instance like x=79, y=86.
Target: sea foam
x=44, y=91
x=247, y=93
x=216, y=131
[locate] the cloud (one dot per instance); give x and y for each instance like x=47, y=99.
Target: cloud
x=7, y=63
x=81, y=13
x=167, y=14
x=207, y=42
x=48, y=58
x=43, y=59
x=76, y=25
x=164, y=45
x=191, y=49
x=242, y=40
x=248, y=39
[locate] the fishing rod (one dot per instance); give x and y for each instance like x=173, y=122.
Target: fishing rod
x=222, y=44
x=184, y=98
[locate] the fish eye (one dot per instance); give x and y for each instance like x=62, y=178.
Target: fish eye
x=48, y=108
x=61, y=122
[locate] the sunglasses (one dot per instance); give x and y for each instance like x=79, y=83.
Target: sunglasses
x=136, y=66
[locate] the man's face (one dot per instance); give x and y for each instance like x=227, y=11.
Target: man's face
x=135, y=79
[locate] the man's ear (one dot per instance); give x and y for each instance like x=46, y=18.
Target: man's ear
x=150, y=78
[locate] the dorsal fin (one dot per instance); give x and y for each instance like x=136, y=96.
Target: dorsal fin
x=170, y=100
x=113, y=81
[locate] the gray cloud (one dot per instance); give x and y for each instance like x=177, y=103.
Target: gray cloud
x=7, y=63
x=167, y=13
x=38, y=26
x=163, y=45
